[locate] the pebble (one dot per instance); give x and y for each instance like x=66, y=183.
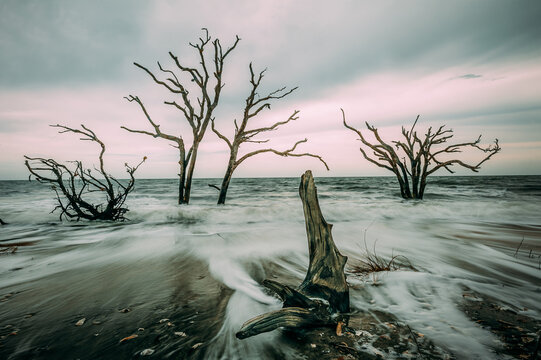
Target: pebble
x=147, y=352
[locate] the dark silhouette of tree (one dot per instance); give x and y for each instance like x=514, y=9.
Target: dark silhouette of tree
x=197, y=109
x=74, y=184
x=255, y=104
x=416, y=157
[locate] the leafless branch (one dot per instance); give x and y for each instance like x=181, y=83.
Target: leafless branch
x=421, y=159
x=197, y=109
x=72, y=185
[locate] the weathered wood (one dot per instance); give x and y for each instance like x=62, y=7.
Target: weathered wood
x=322, y=299
x=325, y=277
x=72, y=185
x=287, y=317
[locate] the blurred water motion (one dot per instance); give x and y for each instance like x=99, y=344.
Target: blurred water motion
x=464, y=234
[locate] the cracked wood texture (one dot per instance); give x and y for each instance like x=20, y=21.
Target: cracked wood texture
x=325, y=277
x=322, y=299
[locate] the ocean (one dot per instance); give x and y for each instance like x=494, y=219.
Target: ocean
x=198, y=266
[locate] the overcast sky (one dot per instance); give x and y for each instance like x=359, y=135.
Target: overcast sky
x=472, y=65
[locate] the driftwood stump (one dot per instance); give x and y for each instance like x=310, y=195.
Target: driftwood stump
x=322, y=299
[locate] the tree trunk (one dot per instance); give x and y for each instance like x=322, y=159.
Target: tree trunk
x=225, y=185
x=323, y=297
x=415, y=185
x=189, y=175
x=422, y=187
x=404, y=189
x=227, y=177
x=181, y=181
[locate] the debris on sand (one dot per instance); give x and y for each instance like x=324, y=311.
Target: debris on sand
x=128, y=338
x=146, y=352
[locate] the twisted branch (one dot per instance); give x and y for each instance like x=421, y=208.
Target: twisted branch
x=420, y=160
x=72, y=185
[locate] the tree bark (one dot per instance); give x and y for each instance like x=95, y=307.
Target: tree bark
x=225, y=185
x=189, y=175
x=181, y=181
x=322, y=299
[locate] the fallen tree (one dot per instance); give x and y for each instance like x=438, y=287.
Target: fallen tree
x=413, y=159
x=322, y=299
x=73, y=184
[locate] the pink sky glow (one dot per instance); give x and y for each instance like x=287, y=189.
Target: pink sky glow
x=486, y=92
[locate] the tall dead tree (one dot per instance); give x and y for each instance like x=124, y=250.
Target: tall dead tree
x=322, y=299
x=196, y=109
x=413, y=159
x=74, y=184
x=255, y=104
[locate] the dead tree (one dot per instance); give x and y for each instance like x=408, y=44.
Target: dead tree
x=197, y=109
x=413, y=159
x=322, y=299
x=74, y=184
x=254, y=105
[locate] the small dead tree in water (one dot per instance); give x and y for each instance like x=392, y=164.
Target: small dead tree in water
x=421, y=158
x=323, y=297
x=197, y=111
x=254, y=105
x=73, y=184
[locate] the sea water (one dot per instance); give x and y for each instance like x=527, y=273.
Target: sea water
x=477, y=232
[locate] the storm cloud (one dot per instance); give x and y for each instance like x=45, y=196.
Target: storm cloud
x=473, y=64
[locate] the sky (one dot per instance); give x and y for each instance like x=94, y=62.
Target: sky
x=474, y=66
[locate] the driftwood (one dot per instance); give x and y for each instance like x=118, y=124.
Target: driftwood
x=72, y=184
x=322, y=299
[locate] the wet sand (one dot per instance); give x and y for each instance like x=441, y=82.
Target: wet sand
x=175, y=309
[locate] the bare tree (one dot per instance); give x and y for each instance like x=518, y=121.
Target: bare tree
x=254, y=105
x=413, y=159
x=73, y=184
x=197, y=110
